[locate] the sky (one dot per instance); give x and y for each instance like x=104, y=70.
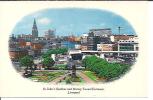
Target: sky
x=76, y=21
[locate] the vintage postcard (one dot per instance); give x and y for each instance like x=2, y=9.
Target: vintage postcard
x=73, y=49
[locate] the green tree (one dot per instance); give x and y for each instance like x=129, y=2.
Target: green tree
x=27, y=61
x=104, y=69
x=57, y=51
x=48, y=62
x=45, y=55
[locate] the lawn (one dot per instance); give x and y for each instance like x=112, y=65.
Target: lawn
x=91, y=75
x=45, y=76
x=61, y=66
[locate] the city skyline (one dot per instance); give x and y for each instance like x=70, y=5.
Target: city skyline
x=76, y=21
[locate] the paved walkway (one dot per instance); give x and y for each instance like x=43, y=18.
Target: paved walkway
x=57, y=80
x=80, y=73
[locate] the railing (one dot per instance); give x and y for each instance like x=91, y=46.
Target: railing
x=90, y=51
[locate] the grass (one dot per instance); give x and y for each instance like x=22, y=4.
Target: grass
x=76, y=79
x=45, y=76
x=82, y=81
x=69, y=80
x=91, y=75
x=60, y=66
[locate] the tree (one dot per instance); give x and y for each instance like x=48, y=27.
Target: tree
x=104, y=69
x=45, y=55
x=56, y=51
x=26, y=61
x=48, y=62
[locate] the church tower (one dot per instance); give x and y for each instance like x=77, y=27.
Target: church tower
x=34, y=30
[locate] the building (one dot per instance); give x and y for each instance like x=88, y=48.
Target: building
x=77, y=39
x=27, y=37
x=105, y=47
x=29, y=44
x=36, y=47
x=34, y=30
x=128, y=45
x=84, y=47
x=77, y=46
x=22, y=43
x=71, y=38
x=115, y=46
x=60, y=59
x=17, y=53
x=30, y=52
x=84, y=38
x=92, y=42
x=49, y=34
x=100, y=32
x=115, y=38
x=96, y=36
x=13, y=44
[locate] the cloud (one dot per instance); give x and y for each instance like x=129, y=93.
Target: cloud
x=44, y=21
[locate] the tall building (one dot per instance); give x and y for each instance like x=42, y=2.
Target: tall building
x=34, y=30
x=92, y=42
x=97, y=36
x=84, y=39
x=49, y=34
